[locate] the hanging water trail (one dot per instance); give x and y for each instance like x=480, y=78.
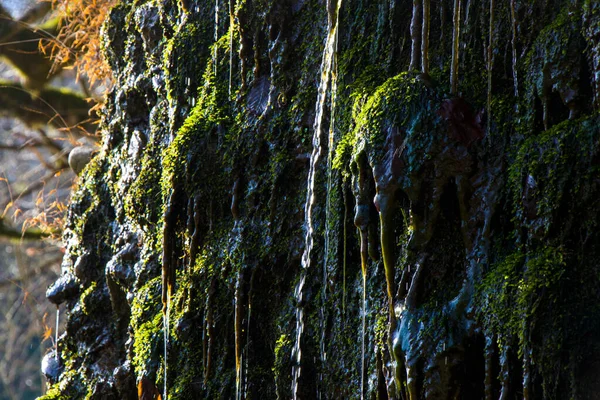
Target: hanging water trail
x=326, y=67
x=363, y=262
x=330, y=148
x=455, y=47
x=56, y=330
x=216, y=36
x=513, y=15
x=238, y=336
x=166, y=339
x=490, y=65
x=231, y=23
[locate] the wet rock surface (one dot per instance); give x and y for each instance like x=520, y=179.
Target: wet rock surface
x=281, y=209
x=64, y=289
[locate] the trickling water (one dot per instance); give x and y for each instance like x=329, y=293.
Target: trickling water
x=216, y=36
x=330, y=148
x=364, y=325
x=345, y=249
x=238, y=337
x=425, y=37
x=415, y=34
x=166, y=339
x=245, y=360
x=361, y=221
x=56, y=330
x=168, y=275
x=514, y=46
x=231, y=21
x=455, y=47
x=490, y=64
x=326, y=68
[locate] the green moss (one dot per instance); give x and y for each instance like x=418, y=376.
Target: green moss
x=283, y=351
x=146, y=321
x=146, y=190
x=402, y=102
x=53, y=394
x=86, y=299
x=552, y=65
x=553, y=168
x=513, y=290
x=69, y=387
x=186, y=55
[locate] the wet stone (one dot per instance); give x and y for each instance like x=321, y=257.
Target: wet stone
x=52, y=367
x=65, y=288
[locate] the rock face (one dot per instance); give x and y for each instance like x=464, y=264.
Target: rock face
x=280, y=209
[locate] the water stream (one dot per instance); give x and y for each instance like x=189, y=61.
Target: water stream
x=216, y=36
x=56, y=330
x=326, y=72
x=455, y=47
x=513, y=16
x=330, y=148
x=166, y=340
x=231, y=26
x=490, y=64
x=238, y=336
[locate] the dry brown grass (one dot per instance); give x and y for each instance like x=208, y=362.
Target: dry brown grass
x=77, y=43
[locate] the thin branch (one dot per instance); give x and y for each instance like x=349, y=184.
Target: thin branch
x=39, y=184
x=9, y=232
x=19, y=280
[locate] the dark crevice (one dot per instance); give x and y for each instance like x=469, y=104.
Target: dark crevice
x=445, y=265
x=473, y=369
x=557, y=110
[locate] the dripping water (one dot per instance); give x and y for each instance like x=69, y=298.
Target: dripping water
x=238, y=336
x=231, y=22
x=248, y=318
x=330, y=148
x=216, y=36
x=425, y=38
x=56, y=330
x=166, y=340
x=345, y=249
x=490, y=64
x=514, y=46
x=415, y=32
x=361, y=221
x=168, y=275
x=364, y=317
x=326, y=68
x=455, y=47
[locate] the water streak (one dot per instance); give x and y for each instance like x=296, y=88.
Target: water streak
x=166, y=339
x=326, y=68
x=513, y=15
x=455, y=47
x=231, y=25
x=56, y=331
x=216, y=36
x=345, y=250
x=415, y=34
x=425, y=37
x=238, y=336
x=330, y=147
x=363, y=263
x=490, y=65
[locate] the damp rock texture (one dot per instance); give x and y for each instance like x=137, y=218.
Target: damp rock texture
x=292, y=202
